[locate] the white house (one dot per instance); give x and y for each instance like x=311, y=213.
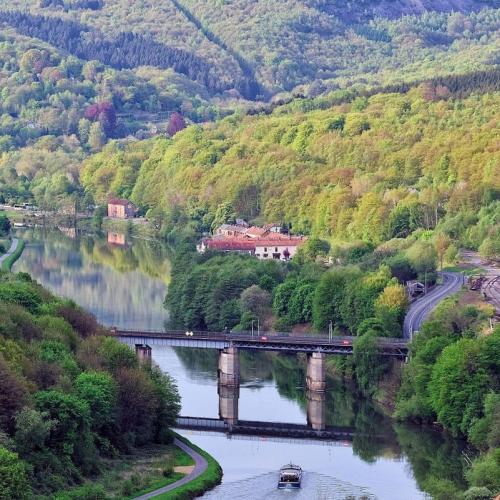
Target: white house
x=278, y=248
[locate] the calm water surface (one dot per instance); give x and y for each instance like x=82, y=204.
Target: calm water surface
x=125, y=286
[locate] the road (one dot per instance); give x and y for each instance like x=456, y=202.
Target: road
x=200, y=466
x=12, y=249
x=420, y=309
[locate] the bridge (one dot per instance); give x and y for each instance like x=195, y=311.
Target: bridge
x=282, y=342
x=229, y=344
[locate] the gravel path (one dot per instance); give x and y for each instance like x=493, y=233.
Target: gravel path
x=199, y=468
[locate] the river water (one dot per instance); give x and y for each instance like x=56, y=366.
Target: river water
x=125, y=285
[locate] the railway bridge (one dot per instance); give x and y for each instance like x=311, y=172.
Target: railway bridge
x=229, y=344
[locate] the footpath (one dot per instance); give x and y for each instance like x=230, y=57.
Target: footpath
x=11, y=251
x=199, y=468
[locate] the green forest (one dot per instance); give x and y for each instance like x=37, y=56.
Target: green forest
x=369, y=170
x=70, y=397
x=260, y=49
x=370, y=127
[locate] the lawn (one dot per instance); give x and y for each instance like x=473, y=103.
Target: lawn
x=124, y=478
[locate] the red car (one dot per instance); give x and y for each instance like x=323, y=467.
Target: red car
x=346, y=342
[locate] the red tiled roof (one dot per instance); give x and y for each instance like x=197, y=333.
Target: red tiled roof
x=118, y=201
x=230, y=244
x=293, y=241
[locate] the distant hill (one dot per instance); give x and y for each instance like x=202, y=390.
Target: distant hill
x=371, y=169
x=257, y=49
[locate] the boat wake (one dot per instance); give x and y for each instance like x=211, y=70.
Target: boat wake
x=314, y=487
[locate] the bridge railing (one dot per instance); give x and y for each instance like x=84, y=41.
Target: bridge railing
x=258, y=337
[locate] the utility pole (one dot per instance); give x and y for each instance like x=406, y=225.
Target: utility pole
x=252, y=326
x=330, y=331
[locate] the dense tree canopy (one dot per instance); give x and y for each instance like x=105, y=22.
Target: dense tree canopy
x=69, y=396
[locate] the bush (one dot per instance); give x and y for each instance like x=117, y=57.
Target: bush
x=13, y=478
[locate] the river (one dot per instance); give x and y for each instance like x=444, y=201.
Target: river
x=125, y=285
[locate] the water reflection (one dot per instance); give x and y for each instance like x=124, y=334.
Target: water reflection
x=383, y=460
x=123, y=286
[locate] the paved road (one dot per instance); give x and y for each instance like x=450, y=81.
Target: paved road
x=420, y=309
x=11, y=250
x=199, y=468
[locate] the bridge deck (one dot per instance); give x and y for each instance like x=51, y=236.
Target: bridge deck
x=269, y=341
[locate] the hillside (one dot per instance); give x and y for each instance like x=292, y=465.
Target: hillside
x=373, y=169
x=259, y=49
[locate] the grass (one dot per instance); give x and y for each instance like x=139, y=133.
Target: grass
x=9, y=261
x=159, y=483
x=468, y=271
x=208, y=480
x=145, y=470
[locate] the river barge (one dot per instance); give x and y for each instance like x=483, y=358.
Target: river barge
x=290, y=476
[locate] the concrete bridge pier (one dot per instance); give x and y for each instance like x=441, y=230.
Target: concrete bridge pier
x=143, y=352
x=316, y=373
x=228, y=403
x=229, y=367
x=316, y=410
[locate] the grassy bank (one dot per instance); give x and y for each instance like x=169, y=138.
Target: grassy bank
x=208, y=480
x=9, y=261
x=144, y=470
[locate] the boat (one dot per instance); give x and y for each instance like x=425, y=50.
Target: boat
x=290, y=476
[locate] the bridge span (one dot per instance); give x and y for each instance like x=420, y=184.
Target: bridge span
x=282, y=342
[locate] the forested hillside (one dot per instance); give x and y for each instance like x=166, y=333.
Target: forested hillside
x=372, y=169
x=70, y=398
x=258, y=49
x=56, y=109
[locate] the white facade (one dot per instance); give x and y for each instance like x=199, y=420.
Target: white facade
x=277, y=251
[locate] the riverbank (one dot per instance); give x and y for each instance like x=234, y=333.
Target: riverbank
x=16, y=249
x=207, y=474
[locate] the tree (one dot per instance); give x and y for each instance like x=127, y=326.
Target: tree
x=311, y=249
x=390, y=308
x=70, y=435
x=442, y=243
x=4, y=225
x=97, y=137
x=255, y=300
x=176, y=123
x=369, y=363
x=14, y=484
x=301, y=303
x=223, y=215
x=485, y=471
x=329, y=297
x=32, y=430
x=458, y=386
x=13, y=396
x=99, y=391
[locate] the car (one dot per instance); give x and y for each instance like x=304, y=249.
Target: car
x=346, y=342
x=263, y=337
x=189, y=334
